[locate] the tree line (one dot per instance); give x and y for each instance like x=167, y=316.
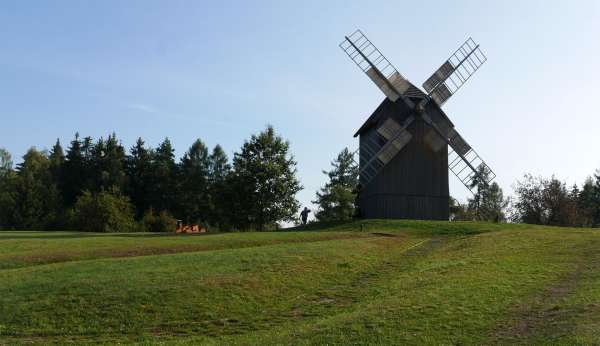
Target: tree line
x=537, y=200
x=98, y=185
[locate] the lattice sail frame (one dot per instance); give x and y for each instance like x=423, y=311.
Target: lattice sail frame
x=446, y=81
x=381, y=147
x=454, y=72
x=376, y=66
x=467, y=175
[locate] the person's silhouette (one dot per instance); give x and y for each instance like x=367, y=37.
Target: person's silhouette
x=304, y=215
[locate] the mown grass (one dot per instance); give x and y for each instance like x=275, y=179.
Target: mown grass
x=368, y=282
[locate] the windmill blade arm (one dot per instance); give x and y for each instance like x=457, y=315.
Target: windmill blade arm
x=464, y=162
x=454, y=72
x=376, y=66
x=468, y=168
x=395, y=137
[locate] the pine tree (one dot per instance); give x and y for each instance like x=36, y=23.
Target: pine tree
x=193, y=198
x=108, y=160
x=139, y=173
x=573, y=196
x=219, y=166
x=264, y=182
x=73, y=174
x=585, y=203
x=8, y=191
x=488, y=202
x=218, y=173
x=336, y=199
x=595, y=201
x=57, y=159
x=163, y=178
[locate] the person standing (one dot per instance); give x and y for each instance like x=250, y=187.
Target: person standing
x=304, y=215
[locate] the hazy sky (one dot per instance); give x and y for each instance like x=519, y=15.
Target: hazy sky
x=221, y=71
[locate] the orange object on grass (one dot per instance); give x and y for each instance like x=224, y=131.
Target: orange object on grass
x=181, y=228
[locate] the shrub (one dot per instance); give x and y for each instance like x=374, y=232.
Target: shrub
x=106, y=211
x=161, y=222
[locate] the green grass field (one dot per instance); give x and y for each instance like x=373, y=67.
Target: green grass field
x=371, y=282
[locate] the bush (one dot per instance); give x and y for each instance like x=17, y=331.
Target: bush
x=106, y=211
x=161, y=222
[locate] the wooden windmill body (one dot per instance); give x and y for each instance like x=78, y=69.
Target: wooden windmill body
x=408, y=145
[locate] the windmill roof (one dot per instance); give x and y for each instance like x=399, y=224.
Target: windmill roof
x=414, y=94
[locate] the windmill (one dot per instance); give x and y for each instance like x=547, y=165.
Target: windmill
x=408, y=144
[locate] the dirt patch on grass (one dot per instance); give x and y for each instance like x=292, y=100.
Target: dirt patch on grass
x=544, y=315
x=381, y=234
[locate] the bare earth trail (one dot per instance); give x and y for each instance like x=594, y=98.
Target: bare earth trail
x=547, y=314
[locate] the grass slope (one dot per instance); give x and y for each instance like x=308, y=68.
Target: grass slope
x=371, y=282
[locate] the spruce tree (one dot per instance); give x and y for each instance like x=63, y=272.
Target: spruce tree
x=139, y=173
x=595, y=201
x=336, y=199
x=73, y=174
x=8, y=191
x=108, y=161
x=586, y=202
x=219, y=170
x=488, y=202
x=57, y=159
x=193, y=198
x=163, y=178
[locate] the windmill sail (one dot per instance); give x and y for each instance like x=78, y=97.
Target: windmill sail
x=454, y=72
x=467, y=167
x=463, y=160
x=381, y=147
x=376, y=66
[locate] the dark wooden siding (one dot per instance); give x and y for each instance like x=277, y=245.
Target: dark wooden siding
x=414, y=185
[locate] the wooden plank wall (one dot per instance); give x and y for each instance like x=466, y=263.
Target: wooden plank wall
x=414, y=185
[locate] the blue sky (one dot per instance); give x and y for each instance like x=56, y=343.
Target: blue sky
x=222, y=70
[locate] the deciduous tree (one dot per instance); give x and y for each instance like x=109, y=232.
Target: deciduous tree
x=264, y=182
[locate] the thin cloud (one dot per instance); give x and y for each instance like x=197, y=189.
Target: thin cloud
x=142, y=108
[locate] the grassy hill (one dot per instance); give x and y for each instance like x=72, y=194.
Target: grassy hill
x=372, y=282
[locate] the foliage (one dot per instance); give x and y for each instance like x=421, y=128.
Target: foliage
x=139, y=173
x=163, y=178
x=105, y=211
x=161, y=222
x=194, y=198
x=108, y=164
x=460, y=212
x=487, y=204
x=29, y=197
x=549, y=202
x=5, y=162
x=336, y=199
x=219, y=171
x=263, y=183
x=75, y=170
x=201, y=187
